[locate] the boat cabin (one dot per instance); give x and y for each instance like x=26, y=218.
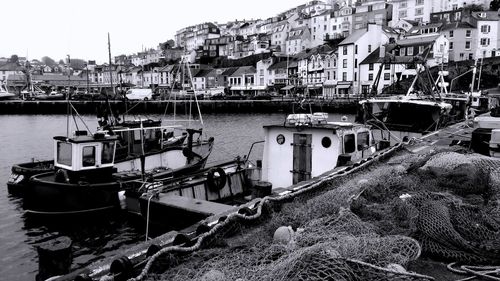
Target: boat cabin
x=83, y=152
x=307, y=145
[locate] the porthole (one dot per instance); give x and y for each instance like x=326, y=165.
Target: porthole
x=326, y=142
x=280, y=139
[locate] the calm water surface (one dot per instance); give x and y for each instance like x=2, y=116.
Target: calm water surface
x=24, y=137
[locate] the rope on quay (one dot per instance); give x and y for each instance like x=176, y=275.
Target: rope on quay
x=482, y=272
x=249, y=214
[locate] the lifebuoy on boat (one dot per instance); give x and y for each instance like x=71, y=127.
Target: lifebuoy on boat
x=216, y=183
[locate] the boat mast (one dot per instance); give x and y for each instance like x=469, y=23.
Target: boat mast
x=67, y=98
x=111, y=115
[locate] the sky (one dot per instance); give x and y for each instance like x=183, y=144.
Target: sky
x=58, y=28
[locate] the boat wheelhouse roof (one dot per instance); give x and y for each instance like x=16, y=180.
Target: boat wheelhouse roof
x=86, y=139
x=329, y=125
x=408, y=100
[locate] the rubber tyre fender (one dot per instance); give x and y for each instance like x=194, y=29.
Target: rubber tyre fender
x=219, y=183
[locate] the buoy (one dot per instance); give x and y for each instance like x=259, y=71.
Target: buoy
x=54, y=257
x=283, y=235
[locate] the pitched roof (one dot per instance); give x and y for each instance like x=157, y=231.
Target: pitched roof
x=278, y=65
x=488, y=15
x=244, y=70
x=418, y=40
x=355, y=35
x=373, y=57
x=456, y=25
x=10, y=67
x=229, y=71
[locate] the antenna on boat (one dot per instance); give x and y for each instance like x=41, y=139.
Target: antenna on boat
x=67, y=98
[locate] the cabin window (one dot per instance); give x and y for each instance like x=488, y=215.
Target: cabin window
x=64, y=153
x=326, y=142
x=363, y=140
x=349, y=143
x=88, y=156
x=137, y=135
x=108, y=149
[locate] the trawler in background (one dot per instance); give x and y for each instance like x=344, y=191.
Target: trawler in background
x=420, y=111
x=4, y=93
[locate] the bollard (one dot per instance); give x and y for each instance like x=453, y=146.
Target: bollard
x=261, y=189
x=54, y=258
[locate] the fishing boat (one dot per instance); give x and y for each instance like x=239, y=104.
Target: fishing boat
x=87, y=178
x=304, y=147
x=420, y=111
x=129, y=148
x=4, y=93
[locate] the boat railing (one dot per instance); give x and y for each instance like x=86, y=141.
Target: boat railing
x=247, y=157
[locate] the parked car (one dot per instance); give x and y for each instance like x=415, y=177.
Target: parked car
x=139, y=94
x=235, y=97
x=218, y=96
x=263, y=96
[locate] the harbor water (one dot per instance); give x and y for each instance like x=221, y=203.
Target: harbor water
x=27, y=137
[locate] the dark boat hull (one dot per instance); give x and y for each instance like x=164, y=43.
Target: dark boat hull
x=46, y=196
x=21, y=173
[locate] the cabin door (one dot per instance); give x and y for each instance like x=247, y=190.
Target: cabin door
x=302, y=157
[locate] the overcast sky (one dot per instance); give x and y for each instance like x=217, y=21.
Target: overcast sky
x=56, y=28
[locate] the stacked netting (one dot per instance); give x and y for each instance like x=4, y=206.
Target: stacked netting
x=367, y=226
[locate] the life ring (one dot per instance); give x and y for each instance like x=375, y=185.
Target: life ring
x=216, y=184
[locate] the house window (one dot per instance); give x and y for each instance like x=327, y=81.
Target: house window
x=370, y=66
x=467, y=45
x=419, y=11
x=356, y=49
x=470, y=56
x=344, y=63
x=485, y=41
x=402, y=51
x=402, y=5
x=451, y=33
x=355, y=63
x=485, y=28
x=409, y=51
x=420, y=49
x=355, y=76
x=344, y=76
x=370, y=77
x=451, y=45
x=387, y=66
x=419, y=2
x=468, y=33
x=461, y=55
x=402, y=14
x=387, y=76
x=369, y=48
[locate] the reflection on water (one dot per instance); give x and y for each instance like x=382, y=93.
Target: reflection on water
x=25, y=137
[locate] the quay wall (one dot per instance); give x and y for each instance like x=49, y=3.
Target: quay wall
x=206, y=106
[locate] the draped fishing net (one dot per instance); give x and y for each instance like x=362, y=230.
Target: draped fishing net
x=366, y=226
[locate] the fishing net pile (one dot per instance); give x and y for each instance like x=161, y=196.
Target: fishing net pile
x=366, y=226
